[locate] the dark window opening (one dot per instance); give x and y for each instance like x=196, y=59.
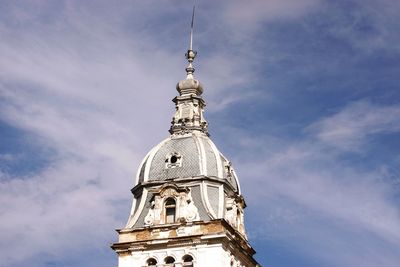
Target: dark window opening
x=187, y=261
x=174, y=159
x=187, y=258
x=170, y=210
x=169, y=260
x=151, y=262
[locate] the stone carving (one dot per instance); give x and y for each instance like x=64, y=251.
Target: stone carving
x=240, y=222
x=149, y=219
x=231, y=212
x=229, y=170
x=234, y=213
x=187, y=111
x=169, y=192
x=186, y=211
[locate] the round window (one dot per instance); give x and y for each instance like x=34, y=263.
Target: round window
x=174, y=159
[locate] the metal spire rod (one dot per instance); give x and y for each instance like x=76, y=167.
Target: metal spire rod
x=191, y=30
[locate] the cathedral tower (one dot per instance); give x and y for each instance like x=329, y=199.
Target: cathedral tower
x=187, y=207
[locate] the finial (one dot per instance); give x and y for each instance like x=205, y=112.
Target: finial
x=191, y=54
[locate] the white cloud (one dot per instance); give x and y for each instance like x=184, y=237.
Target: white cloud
x=369, y=26
x=306, y=198
x=251, y=14
x=355, y=124
x=95, y=88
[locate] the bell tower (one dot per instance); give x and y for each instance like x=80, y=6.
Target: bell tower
x=187, y=205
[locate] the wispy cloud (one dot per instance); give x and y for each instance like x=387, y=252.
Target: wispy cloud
x=91, y=91
x=369, y=26
x=79, y=93
x=308, y=199
x=356, y=124
x=252, y=14
x=92, y=83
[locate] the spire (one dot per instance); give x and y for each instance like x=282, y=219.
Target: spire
x=189, y=104
x=191, y=54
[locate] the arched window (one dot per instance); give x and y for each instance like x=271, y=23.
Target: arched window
x=169, y=261
x=187, y=261
x=170, y=210
x=151, y=262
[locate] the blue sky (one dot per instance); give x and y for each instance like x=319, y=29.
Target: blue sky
x=302, y=95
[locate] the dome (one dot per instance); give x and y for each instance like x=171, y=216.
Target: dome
x=184, y=156
x=185, y=178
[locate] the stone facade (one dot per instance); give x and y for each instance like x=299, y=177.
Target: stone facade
x=212, y=243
